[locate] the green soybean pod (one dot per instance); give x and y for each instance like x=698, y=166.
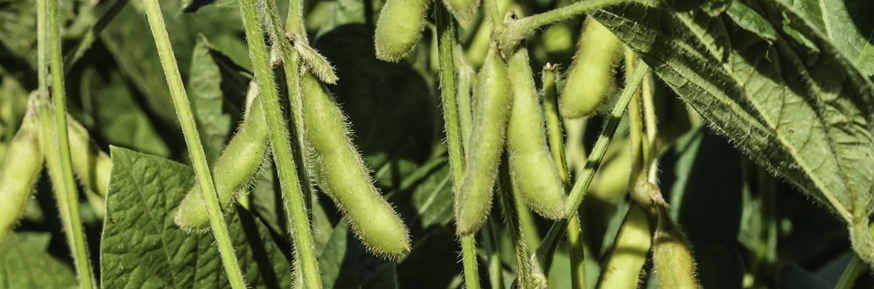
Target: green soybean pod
x=532, y=168
x=344, y=177
x=630, y=249
x=232, y=172
x=464, y=10
x=19, y=172
x=492, y=100
x=589, y=77
x=399, y=28
x=671, y=255
x=92, y=165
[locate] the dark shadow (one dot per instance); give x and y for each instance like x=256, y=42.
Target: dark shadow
x=860, y=13
x=259, y=252
x=390, y=106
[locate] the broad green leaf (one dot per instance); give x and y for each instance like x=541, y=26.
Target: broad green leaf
x=24, y=263
x=143, y=248
x=120, y=119
x=433, y=198
x=131, y=45
x=801, y=113
x=217, y=90
x=847, y=24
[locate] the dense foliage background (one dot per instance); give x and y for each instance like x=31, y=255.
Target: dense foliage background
x=748, y=229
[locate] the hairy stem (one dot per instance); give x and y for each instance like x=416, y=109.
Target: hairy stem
x=556, y=146
x=91, y=35
x=192, y=140
x=288, y=177
x=543, y=255
x=509, y=207
x=445, y=43
x=65, y=186
x=517, y=30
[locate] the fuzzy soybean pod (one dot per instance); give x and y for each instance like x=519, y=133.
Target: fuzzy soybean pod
x=671, y=255
x=92, y=165
x=589, y=77
x=492, y=99
x=462, y=9
x=345, y=179
x=19, y=172
x=399, y=28
x=630, y=249
x=233, y=171
x=533, y=170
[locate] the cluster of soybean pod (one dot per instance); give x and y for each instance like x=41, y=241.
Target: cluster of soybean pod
x=501, y=138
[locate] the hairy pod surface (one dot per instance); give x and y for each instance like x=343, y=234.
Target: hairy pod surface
x=492, y=99
x=92, y=165
x=532, y=167
x=19, y=172
x=232, y=172
x=671, y=256
x=589, y=77
x=464, y=10
x=630, y=250
x=399, y=28
x=345, y=178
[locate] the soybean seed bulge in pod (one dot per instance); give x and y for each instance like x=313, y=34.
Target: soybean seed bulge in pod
x=19, y=171
x=399, y=28
x=233, y=171
x=533, y=170
x=588, y=80
x=492, y=100
x=344, y=177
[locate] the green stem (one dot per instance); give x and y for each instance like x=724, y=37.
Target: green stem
x=511, y=220
x=306, y=262
x=556, y=146
x=446, y=41
x=544, y=253
x=600, y=148
x=495, y=15
x=192, y=140
x=490, y=242
x=295, y=200
x=517, y=30
x=851, y=273
x=468, y=260
x=91, y=35
x=75, y=232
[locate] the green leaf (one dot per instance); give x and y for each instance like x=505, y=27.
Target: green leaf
x=120, y=119
x=142, y=247
x=847, y=24
x=24, y=263
x=131, y=45
x=801, y=113
x=433, y=198
x=217, y=90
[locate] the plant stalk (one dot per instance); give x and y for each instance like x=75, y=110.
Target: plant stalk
x=517, y=30
x=556, y=146
x=91, y=35
x=445, y=42
x=295, y=200
x=542, y=258
x=67, y=193
x=192, y=140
